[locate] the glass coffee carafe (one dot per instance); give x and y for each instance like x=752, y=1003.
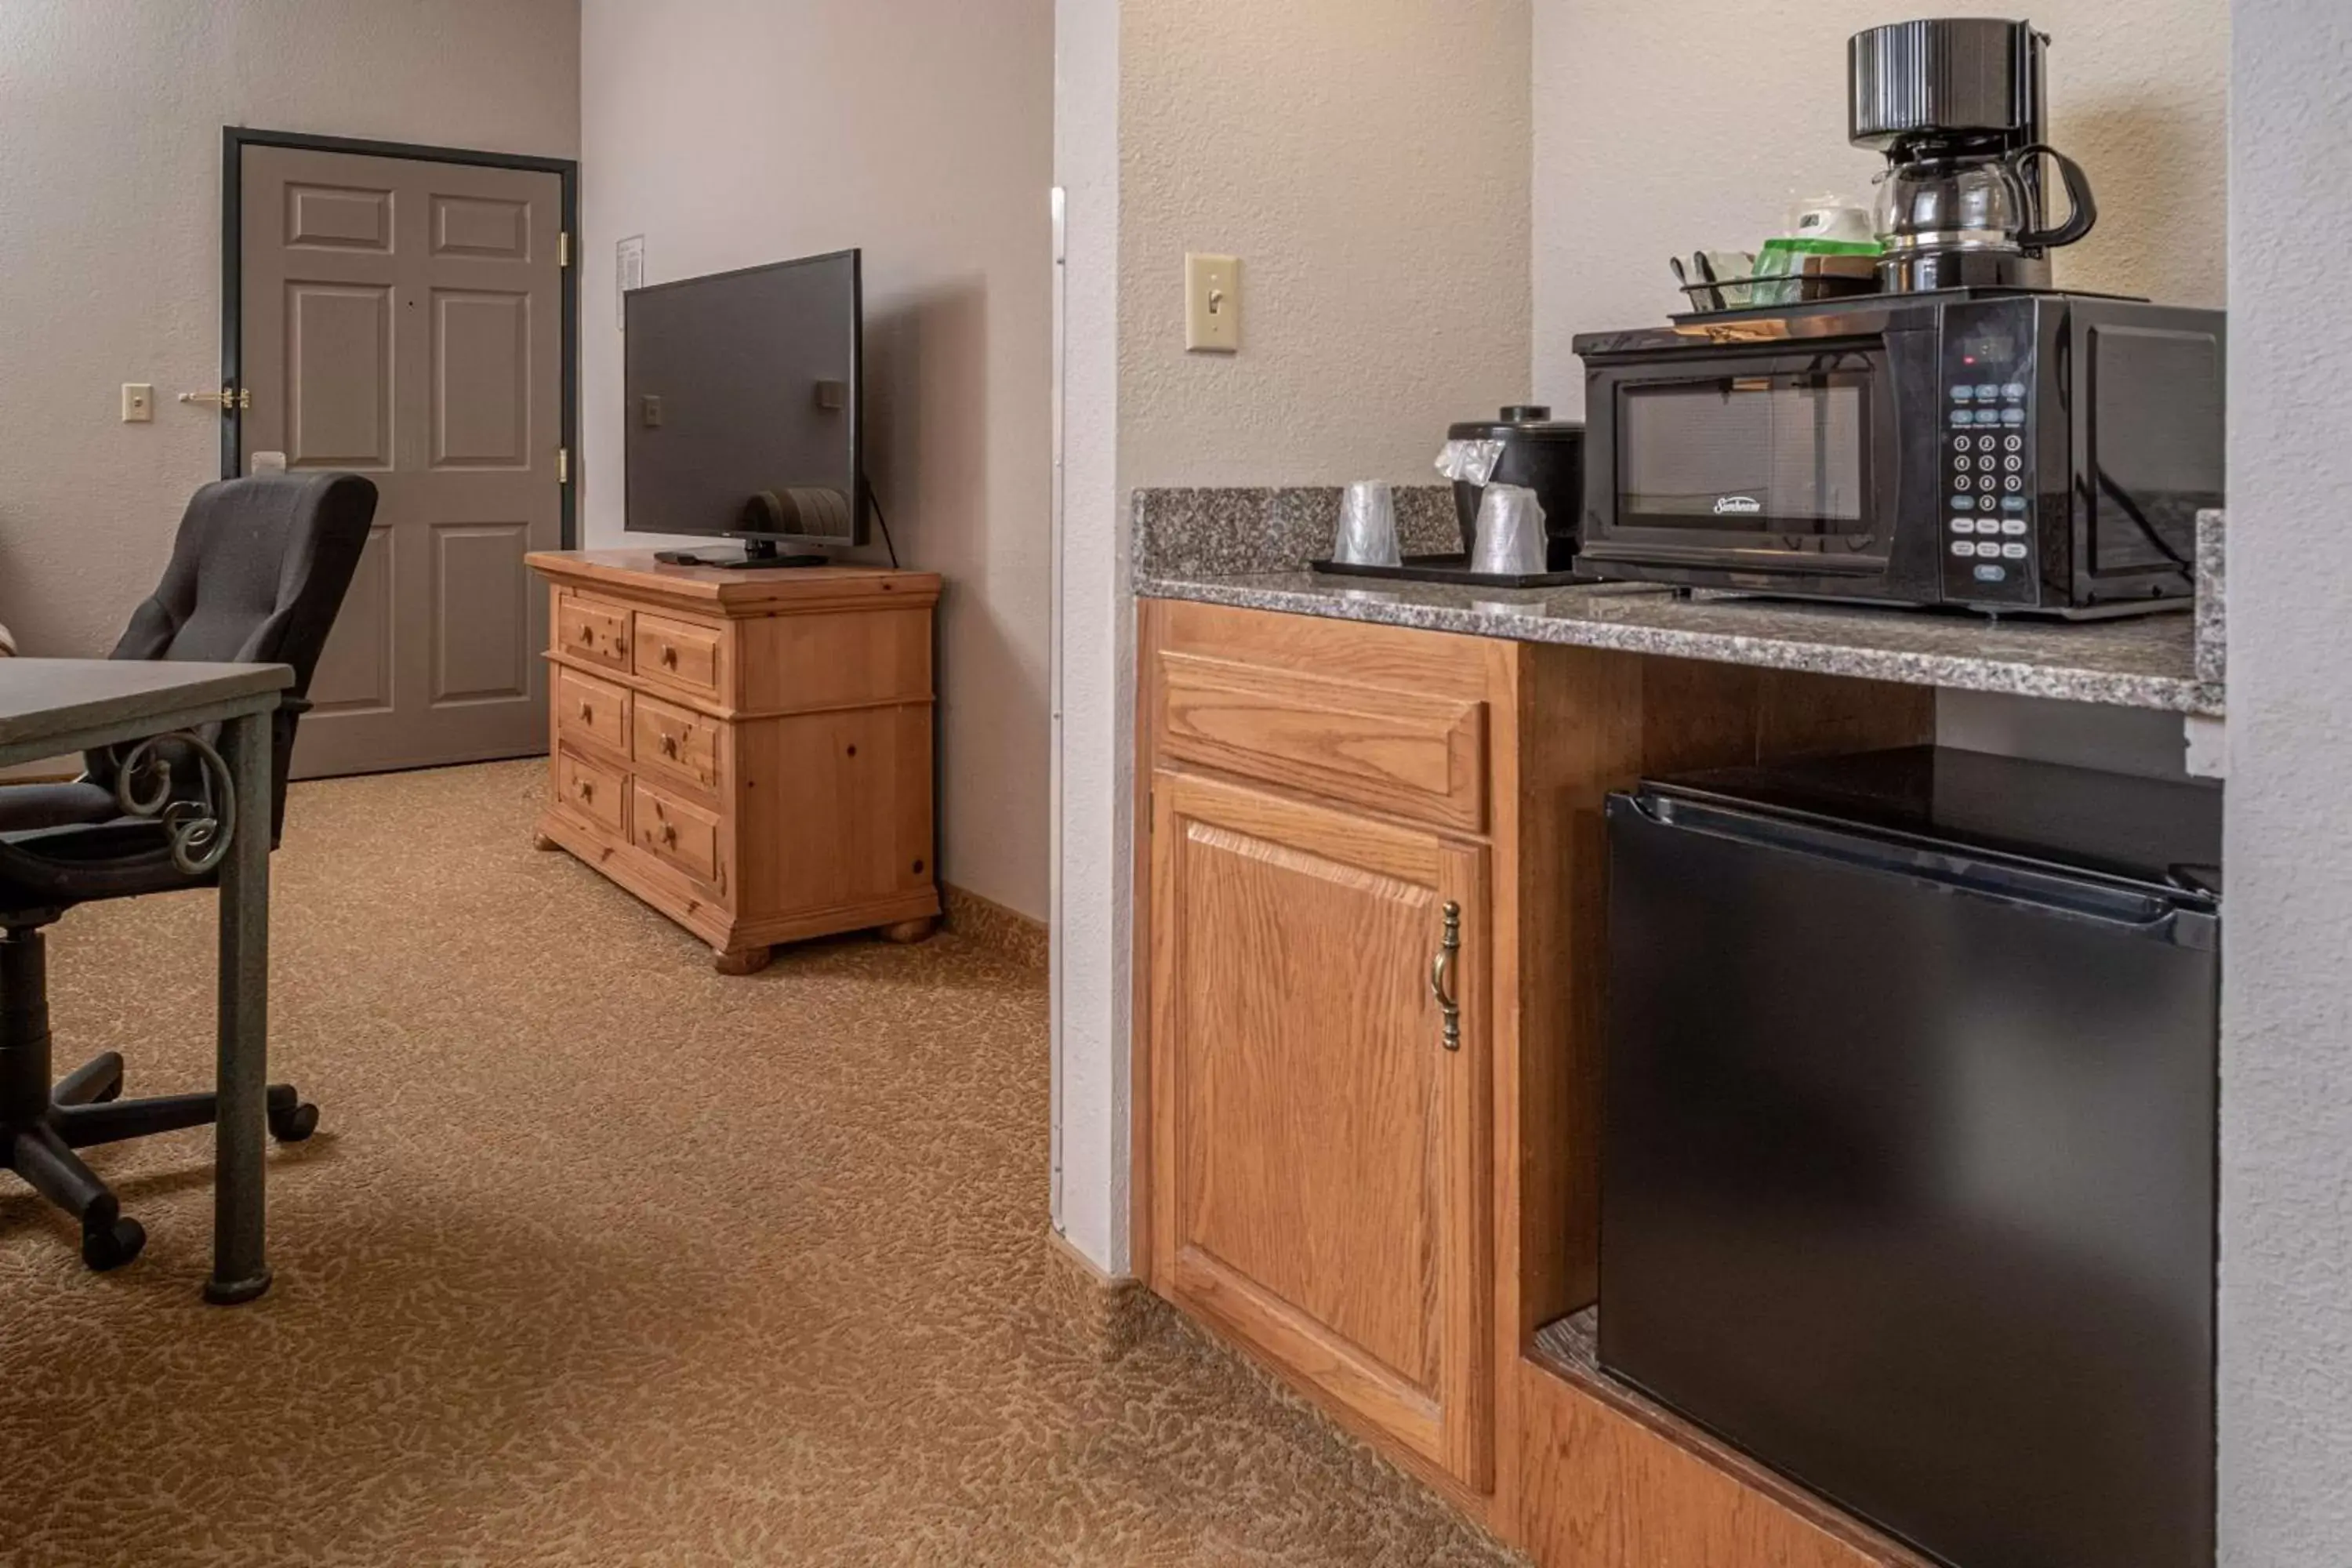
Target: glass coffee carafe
x=1973, y=219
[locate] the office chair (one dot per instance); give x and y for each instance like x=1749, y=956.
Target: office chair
x=257, y=575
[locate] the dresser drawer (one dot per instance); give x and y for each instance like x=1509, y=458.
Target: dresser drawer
x=592, y=710
x=1411, y=752
x=592, y=791
x=675, y=741
x=679, y=652
x=587, y=629
x=679, y=832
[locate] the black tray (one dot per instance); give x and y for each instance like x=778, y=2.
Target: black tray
x=1454, y=568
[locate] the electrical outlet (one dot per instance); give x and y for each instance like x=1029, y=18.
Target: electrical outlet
x=1212, y=304
x=138, y=402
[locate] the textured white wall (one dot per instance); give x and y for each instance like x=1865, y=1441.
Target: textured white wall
x=1663, y=129
x=110, y=116
x=1368, y=159
x=1094, y=747
x=731, y=133
x=2287, y=1069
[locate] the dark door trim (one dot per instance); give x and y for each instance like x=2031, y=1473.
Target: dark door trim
x=235, y=139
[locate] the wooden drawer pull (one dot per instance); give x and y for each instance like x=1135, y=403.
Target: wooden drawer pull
x=669, y=834
x=588, y=712
x=670, y=656
x=587, y=633
x=587, y=790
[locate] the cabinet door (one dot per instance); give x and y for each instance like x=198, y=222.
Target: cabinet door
x=1321, y=1170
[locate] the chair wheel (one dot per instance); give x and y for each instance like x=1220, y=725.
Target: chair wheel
x=295, y=1124
x=111, y=1246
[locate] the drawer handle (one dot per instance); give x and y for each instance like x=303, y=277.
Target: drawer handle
x=587, y=790
x=587, y=712
x=669, y=834
x=670, y=656
x=620, y=646
x=1440, y=977
x=587, y=634
x=669, y=744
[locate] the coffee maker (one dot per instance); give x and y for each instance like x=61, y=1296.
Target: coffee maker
x=1958, y=105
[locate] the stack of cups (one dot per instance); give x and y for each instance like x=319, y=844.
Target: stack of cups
x=1511, y=537
x=1368, y=531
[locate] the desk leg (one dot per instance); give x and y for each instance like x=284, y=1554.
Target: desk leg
x=240, y=1271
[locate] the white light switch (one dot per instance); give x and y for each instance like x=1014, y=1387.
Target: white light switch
x=138, y=402
x=1212, y=304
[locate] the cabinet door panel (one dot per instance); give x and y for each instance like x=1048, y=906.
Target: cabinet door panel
x=1321, y=1155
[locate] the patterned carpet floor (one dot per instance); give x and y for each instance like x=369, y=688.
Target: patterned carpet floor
x=603, y=1259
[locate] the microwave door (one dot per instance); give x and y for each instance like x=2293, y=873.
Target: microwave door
x=1757, y=467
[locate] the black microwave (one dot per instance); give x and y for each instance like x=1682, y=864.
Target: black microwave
x=2010, y=452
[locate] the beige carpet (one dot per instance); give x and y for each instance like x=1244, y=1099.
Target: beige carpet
x=603, y=1258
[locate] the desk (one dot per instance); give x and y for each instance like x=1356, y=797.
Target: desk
x=52, y=706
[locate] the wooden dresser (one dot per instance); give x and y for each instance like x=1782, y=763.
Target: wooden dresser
x=749, y=752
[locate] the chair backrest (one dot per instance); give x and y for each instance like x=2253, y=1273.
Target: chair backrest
x=257, y=574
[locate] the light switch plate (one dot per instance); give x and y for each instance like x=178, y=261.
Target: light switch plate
x=1212, y=304
x=138, y=402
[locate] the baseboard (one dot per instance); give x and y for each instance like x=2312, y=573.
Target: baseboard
x=1111, y=1316
x=1006, y=933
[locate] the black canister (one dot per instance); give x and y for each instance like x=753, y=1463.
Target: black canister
x=1540, y=453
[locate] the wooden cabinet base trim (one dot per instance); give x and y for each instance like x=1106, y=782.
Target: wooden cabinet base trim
x=1278, y=1331
x=1614, y=1481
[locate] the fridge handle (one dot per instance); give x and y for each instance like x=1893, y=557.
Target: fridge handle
x=2077, y=895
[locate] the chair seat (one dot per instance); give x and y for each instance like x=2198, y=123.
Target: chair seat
x=54, y=867
x=24, y=808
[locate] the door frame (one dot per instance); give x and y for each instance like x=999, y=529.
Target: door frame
x=235, y=139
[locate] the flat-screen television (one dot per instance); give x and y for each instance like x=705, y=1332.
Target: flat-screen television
x=742, y=416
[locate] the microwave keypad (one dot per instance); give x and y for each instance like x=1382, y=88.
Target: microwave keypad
x=1988, y=532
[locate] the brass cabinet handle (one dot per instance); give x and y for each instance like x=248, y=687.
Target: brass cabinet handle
x=669, y=833
x=670, y=656
x=587, y=634
x=1440, y=977
x=588, y=712
x=587, y=790
x=669, y=744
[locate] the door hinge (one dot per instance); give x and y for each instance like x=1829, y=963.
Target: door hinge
x=563, y=465
x=563, y=248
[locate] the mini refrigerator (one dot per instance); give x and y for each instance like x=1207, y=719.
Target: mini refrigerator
x=1909, y=1139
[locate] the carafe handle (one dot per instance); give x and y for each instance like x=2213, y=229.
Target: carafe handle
x=2083, y=213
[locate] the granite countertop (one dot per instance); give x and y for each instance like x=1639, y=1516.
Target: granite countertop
x=1240, y=547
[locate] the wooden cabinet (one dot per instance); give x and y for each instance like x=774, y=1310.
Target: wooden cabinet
x=1322, y=1160
x=747, y=751
x=1387, y=1222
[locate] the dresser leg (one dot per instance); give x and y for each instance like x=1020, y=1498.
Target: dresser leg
x=750, y=963
x=910, y=930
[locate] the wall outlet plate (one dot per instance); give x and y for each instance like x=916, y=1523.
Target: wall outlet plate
x=1212, y=304
x=138, y=402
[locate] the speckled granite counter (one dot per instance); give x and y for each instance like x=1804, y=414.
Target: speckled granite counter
x=1216, y=547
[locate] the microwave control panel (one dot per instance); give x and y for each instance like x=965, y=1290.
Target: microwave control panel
x=1989, y=543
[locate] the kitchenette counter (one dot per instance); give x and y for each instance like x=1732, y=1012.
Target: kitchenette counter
x=1223, y=547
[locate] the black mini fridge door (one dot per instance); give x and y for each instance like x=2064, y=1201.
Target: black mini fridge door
x=1908, y=1177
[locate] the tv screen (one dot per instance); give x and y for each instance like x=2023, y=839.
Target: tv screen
x=742, y=412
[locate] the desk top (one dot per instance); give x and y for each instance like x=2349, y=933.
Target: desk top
x=41, y=699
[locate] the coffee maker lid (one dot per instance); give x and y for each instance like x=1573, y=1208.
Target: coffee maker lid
x=1943, y=76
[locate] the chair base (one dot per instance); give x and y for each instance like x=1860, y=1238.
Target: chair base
x=85, y=1110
